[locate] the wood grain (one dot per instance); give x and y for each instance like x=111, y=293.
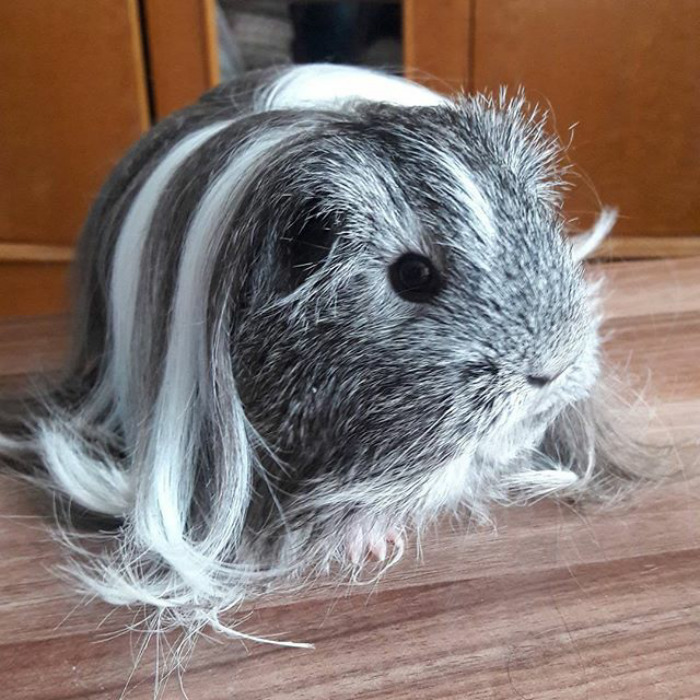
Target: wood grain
x=624, y=72
x=437, y=40
x=552, y=604
x=27, y=252
x=28, y=288
x=73, y=100
x=635, y=247
x=182, y=51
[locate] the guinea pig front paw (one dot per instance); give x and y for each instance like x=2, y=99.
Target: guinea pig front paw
x=368, y=541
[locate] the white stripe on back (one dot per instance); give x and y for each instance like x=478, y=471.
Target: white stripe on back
x=127, y=262
x=330, y=86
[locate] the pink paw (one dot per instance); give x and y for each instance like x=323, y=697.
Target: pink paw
x=367, y=541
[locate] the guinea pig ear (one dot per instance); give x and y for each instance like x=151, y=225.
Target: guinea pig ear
x=585, y=243
x=308, y=241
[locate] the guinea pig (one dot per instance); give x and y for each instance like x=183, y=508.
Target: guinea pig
x=315, y=310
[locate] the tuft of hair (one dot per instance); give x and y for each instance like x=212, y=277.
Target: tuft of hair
x=525, y=141
x=592, y=452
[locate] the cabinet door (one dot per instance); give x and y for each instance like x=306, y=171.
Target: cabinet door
x=182, y=51
x=73, y=100
x=625, y=72
x=437, y=39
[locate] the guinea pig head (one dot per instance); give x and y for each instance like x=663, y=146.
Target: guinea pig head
x=413, y=315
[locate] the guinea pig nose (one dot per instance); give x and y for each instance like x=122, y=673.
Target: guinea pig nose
x=540, y=380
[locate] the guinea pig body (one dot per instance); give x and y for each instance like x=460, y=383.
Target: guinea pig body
x=314, y=310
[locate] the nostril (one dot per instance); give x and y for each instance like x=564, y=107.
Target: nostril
x=540, y=380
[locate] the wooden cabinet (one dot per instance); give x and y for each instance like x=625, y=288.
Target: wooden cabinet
x=82, y=79
x=625, y=72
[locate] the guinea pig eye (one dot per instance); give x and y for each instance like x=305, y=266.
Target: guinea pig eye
x=415, y=278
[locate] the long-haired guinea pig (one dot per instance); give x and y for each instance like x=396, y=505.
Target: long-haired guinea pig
x=316, y=309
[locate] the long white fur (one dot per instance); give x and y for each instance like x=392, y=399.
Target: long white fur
x=127, y=267
x=326, y=85
x=163, y=504
x=197, y=587
x=586, y=243
x=96, y=484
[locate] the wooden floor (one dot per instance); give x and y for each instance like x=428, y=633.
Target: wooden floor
x=552, y=605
